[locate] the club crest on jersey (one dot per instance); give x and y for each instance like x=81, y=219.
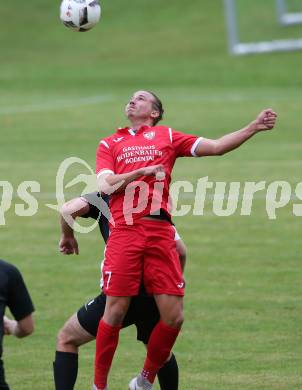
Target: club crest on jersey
x=149, y=135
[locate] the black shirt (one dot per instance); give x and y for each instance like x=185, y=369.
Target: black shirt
x=14, y=295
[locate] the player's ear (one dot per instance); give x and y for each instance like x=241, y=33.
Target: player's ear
x=154, y=114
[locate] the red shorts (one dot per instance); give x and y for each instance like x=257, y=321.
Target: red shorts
x=142, y=252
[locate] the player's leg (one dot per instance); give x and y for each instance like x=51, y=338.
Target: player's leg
x=72, y=336
x=161, y=341
x=164, y=334
x=122, y=274
x=168, y=375
x=65, y=366
x=144, y=313
x=79, y=329
x=163, y=278
x=107, y=338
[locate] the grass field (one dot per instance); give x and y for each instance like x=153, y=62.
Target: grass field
x=61, y=92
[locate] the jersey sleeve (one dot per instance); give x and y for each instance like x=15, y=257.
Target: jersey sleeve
x=104, y=158
x=19, y=300
x=94, y=199
x=184, y=144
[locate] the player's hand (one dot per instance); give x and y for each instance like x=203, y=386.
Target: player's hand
x=266, y=120
x=153, y=170
x=9, y=326
x=68, y=245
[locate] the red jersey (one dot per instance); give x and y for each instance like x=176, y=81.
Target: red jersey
x=126, y=151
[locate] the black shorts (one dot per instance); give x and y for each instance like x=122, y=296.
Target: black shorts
x=142, y=313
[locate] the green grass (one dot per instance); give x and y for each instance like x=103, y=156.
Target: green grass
x=61, y=92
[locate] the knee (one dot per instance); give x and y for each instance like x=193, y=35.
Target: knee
x=175, y=321
x=115, y=312
x=63, y=338
x=115, y=316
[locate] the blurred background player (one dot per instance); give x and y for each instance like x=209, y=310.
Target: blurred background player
x=130, y=162
x=82, y=326
x=15, y=296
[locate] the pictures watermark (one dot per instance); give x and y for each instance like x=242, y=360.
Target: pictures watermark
x=185, y=197
x=231, y=197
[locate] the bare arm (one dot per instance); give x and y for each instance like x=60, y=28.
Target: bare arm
x=110, y=183
x=21, y=328
x=208, y=147
x=69, y=212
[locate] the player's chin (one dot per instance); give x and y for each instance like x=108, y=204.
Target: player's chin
x=130, y=113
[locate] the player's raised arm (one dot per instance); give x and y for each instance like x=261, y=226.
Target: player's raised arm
x=208, y=147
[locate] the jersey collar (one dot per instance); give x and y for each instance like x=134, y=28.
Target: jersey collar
x=127, y=130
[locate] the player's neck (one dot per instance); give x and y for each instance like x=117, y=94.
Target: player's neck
x=136, y=125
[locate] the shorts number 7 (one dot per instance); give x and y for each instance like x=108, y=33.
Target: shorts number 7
x=109, y=273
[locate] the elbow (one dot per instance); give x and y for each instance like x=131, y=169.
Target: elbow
x=67, y=209
x=74, y=208
x=25, y=331
x=105, y=188
x=30, y=329
x=103, y=185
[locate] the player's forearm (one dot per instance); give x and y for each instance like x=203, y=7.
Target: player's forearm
x=114, y=183
x=266, y=120
x=25, y=327
x=19, y=332
x=70, y=210
x=66, y=228
x=20, y=328
x=232, y=141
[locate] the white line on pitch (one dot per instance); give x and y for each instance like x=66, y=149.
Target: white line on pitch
x=197, y=97
x=55, y=105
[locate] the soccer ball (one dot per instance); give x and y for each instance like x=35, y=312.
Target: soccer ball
x=80, y=15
